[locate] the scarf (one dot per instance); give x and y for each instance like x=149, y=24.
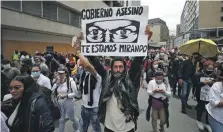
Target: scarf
x=88, y=83
x=13, y=116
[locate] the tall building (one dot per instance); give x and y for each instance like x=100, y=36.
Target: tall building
x=178, y=30
x=42, y=25
x=201, y=19
x=159, y=29
x=201, y=14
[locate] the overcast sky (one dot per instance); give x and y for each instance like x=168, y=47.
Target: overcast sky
x=168, y=10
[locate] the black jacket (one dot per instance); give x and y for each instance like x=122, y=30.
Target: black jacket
x=33, y=119
x=129, y=88
x=175, y=65
x=186, y=70
x=4, y=85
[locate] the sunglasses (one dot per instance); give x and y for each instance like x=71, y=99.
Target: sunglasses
x=15, y=87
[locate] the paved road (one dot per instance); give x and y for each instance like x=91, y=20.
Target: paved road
x=178, y=121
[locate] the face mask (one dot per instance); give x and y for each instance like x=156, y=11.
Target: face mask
x=117, y=75
x=6, y=67
x=155, y=66
x=35, y=74
x=209, y=71
x=159, y=81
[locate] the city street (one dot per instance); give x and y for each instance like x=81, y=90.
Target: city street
x=178, y=121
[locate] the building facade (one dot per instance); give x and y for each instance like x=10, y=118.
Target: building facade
x=178, y=29
x=159, y=29
x=132, y=2
x=43, y=25
x=201, y=19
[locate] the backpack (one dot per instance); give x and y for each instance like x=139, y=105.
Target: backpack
x=47, y=96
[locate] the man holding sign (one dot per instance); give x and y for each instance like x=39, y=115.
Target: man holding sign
x=118, y=105
x=117, y=35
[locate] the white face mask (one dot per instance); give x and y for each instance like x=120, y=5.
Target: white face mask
x=155, y=66
x=159, y=81
x=6, y=67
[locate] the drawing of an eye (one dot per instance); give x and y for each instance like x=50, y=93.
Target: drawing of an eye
x=123, y=32
x=95, y=31
x=95, y=34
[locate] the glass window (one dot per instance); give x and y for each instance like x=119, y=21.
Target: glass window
x=49, y=49
x=63, y=15
x=12, y=4
x=75, y=19
x=50, y=10
x=32, y=7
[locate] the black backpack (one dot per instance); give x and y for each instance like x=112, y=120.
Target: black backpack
x=47, y=96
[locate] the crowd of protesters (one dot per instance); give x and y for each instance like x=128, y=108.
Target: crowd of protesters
x=40, y=89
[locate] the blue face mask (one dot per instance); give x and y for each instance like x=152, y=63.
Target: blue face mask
x=35, y=74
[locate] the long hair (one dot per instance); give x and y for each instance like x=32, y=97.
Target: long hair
x=30, y=86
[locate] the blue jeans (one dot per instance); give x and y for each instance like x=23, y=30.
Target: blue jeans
x=215, y=125
x=186, y=87
x=90, y=115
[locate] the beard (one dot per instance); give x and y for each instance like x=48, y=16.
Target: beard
x=117, y=75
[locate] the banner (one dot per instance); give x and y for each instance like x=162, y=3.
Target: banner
x=114, y=31
x=205, y=90
x=204, y=95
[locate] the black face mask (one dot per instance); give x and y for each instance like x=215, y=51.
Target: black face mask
x=209, y=71
x=196, y=58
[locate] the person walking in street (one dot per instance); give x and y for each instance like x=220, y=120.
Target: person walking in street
x=159, y=91
x=39, y=77
x=205, y=80
x=43, y=66
x=185, y=74
x=64, y=92
x=215, y=105
x=31, y=112
x=15, y=58
x=8, y=71
x=118, y=105
x=90, y=87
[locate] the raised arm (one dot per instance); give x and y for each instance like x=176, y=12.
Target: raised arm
x=86, y=64
x=92, y=63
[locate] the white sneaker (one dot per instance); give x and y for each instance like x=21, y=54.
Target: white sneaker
x=208, y=127
x=200, y=125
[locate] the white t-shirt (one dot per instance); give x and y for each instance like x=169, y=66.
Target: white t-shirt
x=115, y=118
x=153, y=85
x=62, y=88
x=215, y=96
x=96, y=93
x=44, y=81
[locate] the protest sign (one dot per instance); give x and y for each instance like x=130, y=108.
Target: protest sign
x=205, y=93
x=114, y=31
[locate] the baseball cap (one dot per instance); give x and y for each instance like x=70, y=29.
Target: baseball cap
x=62, y=69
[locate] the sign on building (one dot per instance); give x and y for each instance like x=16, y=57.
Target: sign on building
x=115, y=31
